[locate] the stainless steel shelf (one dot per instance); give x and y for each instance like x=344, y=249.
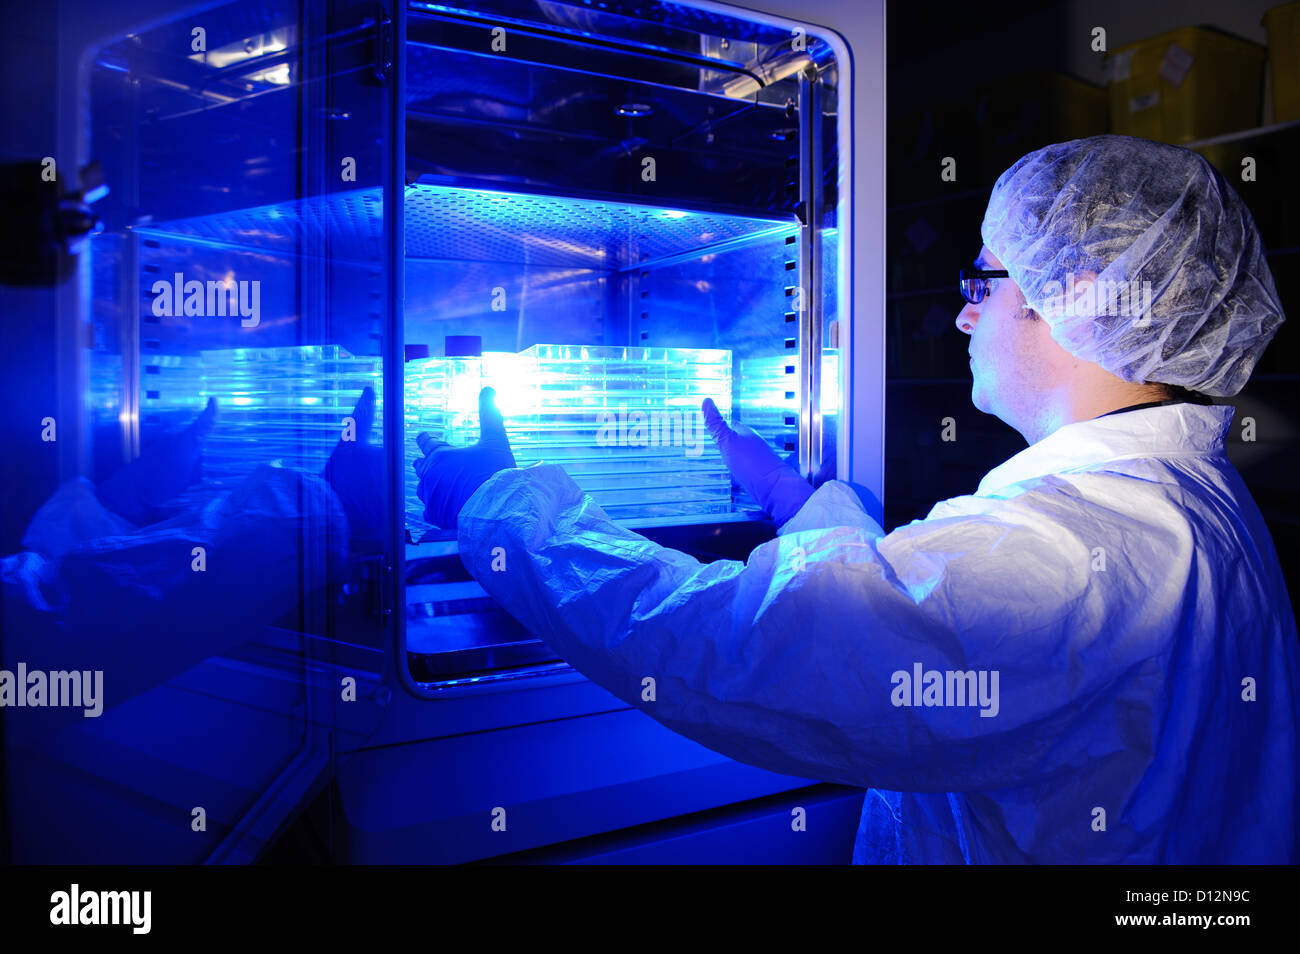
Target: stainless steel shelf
x=463, y=224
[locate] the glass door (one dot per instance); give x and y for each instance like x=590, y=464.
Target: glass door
x=217, y=555
x=610, y=216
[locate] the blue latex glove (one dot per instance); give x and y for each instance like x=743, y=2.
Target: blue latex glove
x=356, y=472
x=777, y=486
x=450, y=475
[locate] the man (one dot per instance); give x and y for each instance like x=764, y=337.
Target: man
x=1090, y=659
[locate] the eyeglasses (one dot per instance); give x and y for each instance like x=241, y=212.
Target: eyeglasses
x=974, y=283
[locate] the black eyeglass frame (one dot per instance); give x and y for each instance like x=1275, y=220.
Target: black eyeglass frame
x=973, y=283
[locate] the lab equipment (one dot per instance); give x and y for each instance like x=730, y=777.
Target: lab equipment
x=285, y=404
x=49, y=224
x=624, y=419
x=624, y=422
x=1140, y=257
x=767, y=402
x=297, y=210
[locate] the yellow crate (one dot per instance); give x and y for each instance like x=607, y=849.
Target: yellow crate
x=1283, y=24
x=1188, y=84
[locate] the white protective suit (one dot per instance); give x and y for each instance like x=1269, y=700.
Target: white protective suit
x=1116, y=576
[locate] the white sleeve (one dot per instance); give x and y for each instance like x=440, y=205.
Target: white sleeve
x=834, y=504
x=791, y=661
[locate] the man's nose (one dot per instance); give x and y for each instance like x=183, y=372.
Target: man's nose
x=967, y=318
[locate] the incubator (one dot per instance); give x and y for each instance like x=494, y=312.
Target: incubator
x=607, y=212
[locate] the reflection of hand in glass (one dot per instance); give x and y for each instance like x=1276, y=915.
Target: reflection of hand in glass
x=450, y=475
x=163, y=469
x=143, y=603
x=356, y=472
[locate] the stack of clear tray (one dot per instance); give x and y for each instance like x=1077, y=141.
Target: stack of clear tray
x=625, y=423
x=767, y=390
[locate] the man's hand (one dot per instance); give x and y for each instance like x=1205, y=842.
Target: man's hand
x=450, y=475
x=777, y=486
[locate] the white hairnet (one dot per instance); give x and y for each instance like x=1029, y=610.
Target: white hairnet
x=1183, y=294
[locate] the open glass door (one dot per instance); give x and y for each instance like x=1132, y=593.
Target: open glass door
x=612, y=214
x=215, y=556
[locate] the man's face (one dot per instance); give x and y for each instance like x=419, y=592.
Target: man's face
x=1014, y=361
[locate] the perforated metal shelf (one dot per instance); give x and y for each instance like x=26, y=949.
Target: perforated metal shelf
x=462, y=224
x=352, y=222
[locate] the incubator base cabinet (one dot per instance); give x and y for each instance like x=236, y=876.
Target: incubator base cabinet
x=608, y=212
